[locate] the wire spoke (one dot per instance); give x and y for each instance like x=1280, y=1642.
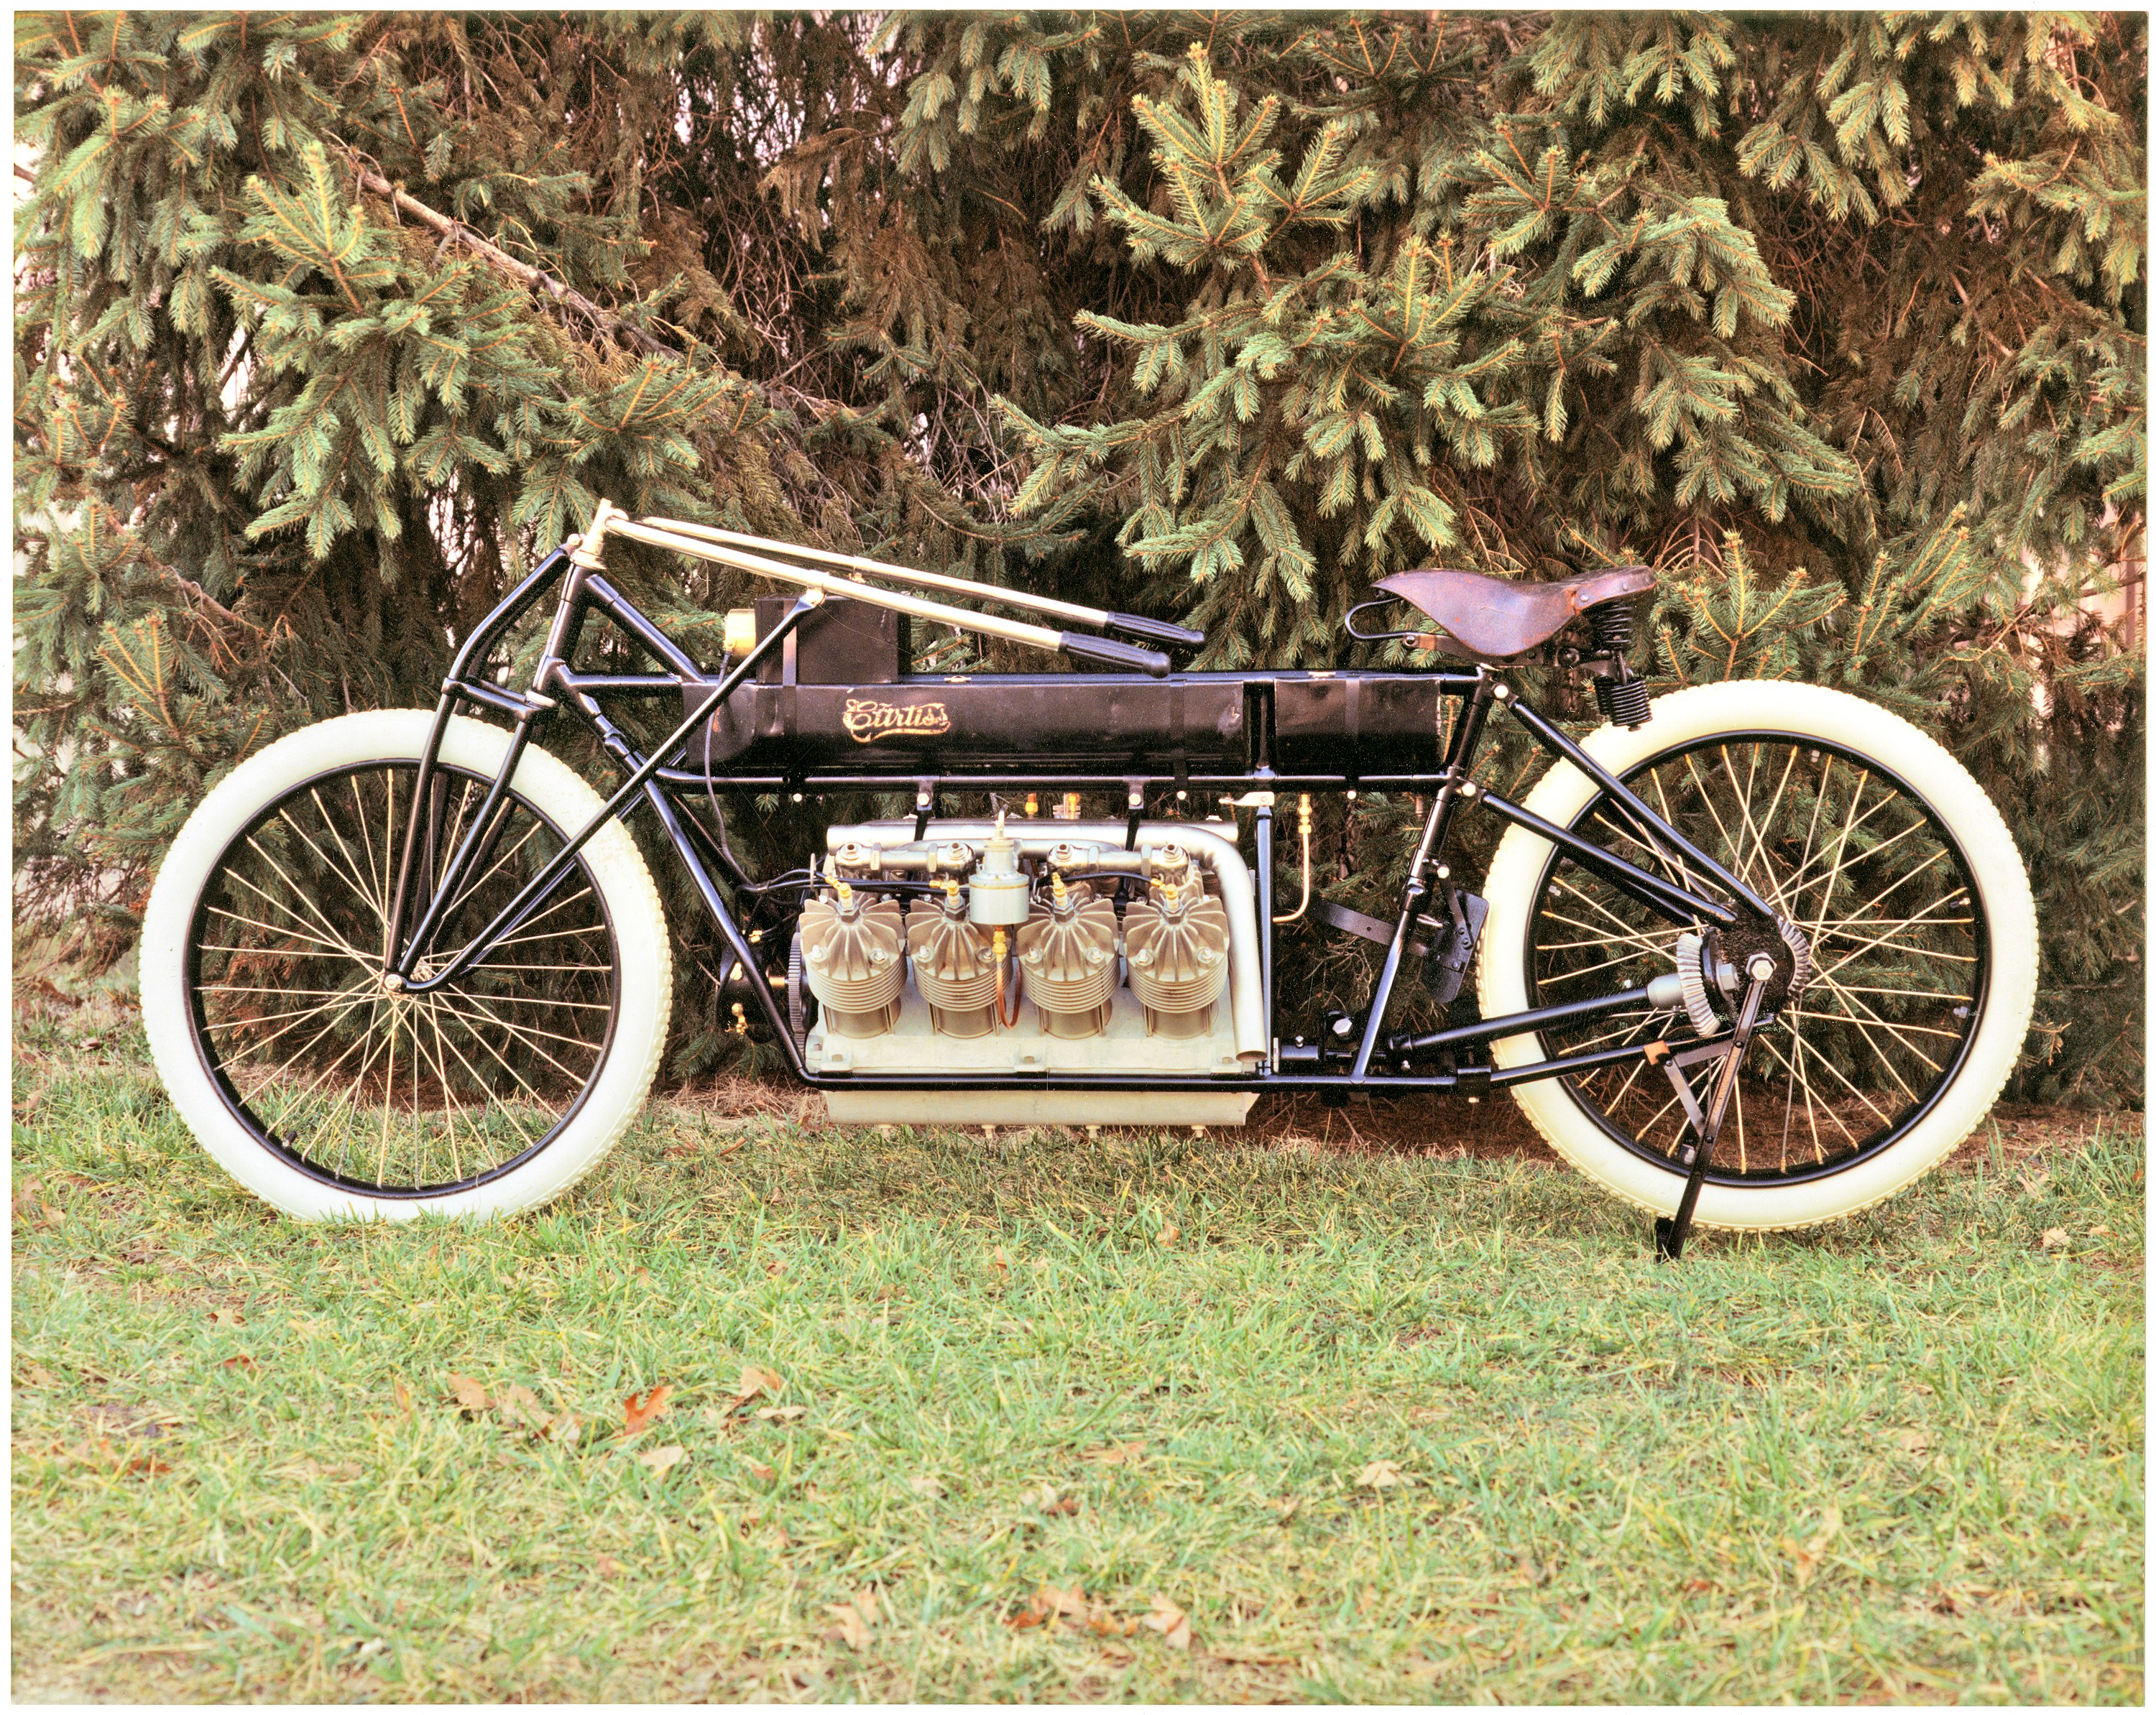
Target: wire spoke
x=330, y=864
x=387, y=1090
x=329, y=821
x=506, y=1111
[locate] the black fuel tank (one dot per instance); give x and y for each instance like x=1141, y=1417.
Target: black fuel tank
x=1098, y=721
x=1357, y=724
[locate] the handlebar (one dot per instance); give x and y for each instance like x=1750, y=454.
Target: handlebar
x=1156, y=631
x=1127, y=655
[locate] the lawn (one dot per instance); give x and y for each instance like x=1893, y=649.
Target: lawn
x=1132, y=1417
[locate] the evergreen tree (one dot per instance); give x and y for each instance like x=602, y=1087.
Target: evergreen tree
x=326, y=325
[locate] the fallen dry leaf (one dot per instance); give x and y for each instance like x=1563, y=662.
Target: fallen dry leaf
x=1048, y=1501
x=855, y=1620
x=244, y=1361
x=1380, y=1474
x=2098, y=1232
x=782, y=1414
x=126, y=1458
x=1168, y=1234
x=559, y=1428
x=661, y=1458
x=1912, y=1441
x=1697, y=1586
x=1126, y=1453
x=1170, y=1622
x=2055, y=1238
x=761, y=1472
x=226, y=1316
x=520, y=1405
x=1805, y=1559
x=1001, y=1261
x=470, y=1393
x=1070, y=1604
x=402, y=1396
x=756, y=1379
x=927, y=1486
x=36, y=1375
x=775, y=1267
x=638, y=1410
x=606, y=1566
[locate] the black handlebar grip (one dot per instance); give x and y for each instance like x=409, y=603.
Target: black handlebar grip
x=1156, y=631
x=1115, y=654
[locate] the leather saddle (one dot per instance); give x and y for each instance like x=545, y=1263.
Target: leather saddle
x=1492, y=618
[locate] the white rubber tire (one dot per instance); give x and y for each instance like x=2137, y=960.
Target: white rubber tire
x=643, y=948
x=2010, y=913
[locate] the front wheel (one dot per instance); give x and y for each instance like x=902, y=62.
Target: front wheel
x=327, y=1092
x=1909, y=899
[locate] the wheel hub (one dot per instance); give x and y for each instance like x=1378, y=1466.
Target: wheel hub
x=1781, y=941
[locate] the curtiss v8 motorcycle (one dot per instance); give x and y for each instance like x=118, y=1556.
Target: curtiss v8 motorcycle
x=1754, y=954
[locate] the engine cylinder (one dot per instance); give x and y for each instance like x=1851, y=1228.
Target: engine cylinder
x=1067, y=949
x=1176, y=938
x=954, y=967
x=853, y=953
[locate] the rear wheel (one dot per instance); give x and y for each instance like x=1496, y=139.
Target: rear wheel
x=1916, y=974
x=327, y=1091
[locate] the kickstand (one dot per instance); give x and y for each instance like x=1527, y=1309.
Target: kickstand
x=1671, y=1230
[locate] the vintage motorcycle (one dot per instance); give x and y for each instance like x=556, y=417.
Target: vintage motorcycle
x=1753, y=955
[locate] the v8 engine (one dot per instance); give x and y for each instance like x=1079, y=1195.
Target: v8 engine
x=1070, y=950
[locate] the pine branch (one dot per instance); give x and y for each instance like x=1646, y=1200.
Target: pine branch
x=521, y=272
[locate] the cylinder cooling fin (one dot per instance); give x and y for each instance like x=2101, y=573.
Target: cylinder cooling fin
x=1177, y=938
x=853, y=952
x=1067, y=950
x=953, y=965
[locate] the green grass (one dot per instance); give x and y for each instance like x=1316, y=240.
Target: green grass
x=1899, y=1459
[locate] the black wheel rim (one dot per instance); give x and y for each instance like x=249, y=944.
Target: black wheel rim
x=1868, y=870
x=385, y=1094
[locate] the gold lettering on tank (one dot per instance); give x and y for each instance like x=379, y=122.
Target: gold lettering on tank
x=868, y=721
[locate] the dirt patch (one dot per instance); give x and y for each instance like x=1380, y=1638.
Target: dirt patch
x=1428, y=1124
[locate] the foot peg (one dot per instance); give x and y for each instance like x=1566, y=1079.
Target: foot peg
x=1452, y=948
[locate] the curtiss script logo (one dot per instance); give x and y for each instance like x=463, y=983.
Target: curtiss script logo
x=869, y=721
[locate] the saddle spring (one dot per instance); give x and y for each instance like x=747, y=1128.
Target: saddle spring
x=1623, y=699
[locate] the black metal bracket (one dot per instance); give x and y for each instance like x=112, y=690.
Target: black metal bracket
x=1670, y=1231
